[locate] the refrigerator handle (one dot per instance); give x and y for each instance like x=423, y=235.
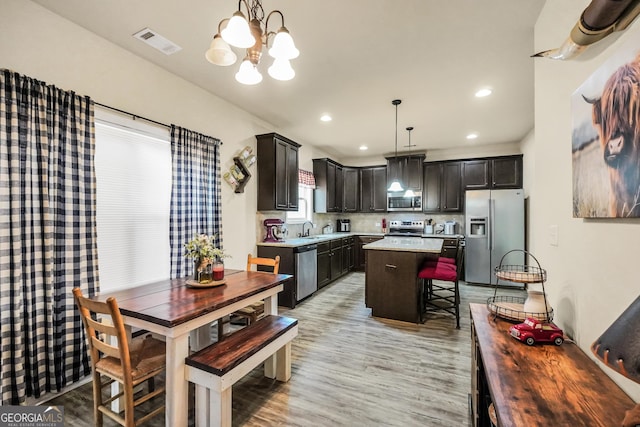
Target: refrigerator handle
x=492, y=216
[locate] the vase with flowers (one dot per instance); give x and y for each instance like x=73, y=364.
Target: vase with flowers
x=207, y=258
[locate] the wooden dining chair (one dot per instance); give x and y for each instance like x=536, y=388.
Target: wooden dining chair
x=116, y=359
x=440, y=287
x=256, y=310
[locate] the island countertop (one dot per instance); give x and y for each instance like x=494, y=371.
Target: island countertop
x=407, y=244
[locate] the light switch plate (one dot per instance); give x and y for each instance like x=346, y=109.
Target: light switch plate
x=553, y=235
x=377, y=224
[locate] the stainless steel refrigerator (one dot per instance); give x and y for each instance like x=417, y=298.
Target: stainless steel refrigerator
x=494, y=225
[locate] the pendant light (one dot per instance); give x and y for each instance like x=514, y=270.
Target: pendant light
x=395, y=184
x=409, y=192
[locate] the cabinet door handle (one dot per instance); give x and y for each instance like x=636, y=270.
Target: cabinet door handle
x=391, y=266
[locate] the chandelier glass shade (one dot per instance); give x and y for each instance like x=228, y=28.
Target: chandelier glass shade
x=220, y=52
x=252, y=33
x=248, y=74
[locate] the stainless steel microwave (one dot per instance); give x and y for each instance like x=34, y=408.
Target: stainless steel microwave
x=397, y=202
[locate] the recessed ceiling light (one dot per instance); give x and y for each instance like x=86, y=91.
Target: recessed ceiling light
x=472, y=136
x=364, y=147
x=325, y=118
x=483, y=92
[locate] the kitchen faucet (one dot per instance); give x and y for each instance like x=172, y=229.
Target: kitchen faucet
x=303, y=234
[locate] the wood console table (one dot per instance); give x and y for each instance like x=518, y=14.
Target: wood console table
x=542, y=385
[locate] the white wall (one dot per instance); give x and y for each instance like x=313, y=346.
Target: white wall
x=37, y=43
x=592, y=274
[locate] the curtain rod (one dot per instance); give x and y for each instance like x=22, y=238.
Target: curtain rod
x=135, y=116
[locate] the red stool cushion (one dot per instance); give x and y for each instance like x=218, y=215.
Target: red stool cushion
x=439, y=272
x=442, y=262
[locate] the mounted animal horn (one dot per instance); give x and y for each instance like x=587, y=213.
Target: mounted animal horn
x=598, y=20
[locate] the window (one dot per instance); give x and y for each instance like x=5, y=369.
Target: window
x=305, y=206
x=133, y=190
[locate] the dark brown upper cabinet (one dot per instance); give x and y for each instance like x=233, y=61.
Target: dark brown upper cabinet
x=496, y=172
x=277, y=173
x=373, y=189
x=329, y=192
x=351, y=189
x=407, y=170
x=442, y=187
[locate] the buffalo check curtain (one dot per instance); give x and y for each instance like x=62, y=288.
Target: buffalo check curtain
x=47, y=235
x=195, y=194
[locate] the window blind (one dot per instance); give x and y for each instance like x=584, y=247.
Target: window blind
x=133, y=190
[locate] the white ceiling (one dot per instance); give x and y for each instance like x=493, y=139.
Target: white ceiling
x=356, y=56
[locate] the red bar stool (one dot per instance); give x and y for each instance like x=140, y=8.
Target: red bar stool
x=443, y=295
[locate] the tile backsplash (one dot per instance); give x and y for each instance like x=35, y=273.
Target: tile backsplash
x=360, y=222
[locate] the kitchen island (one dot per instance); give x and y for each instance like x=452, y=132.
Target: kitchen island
x=392, y=287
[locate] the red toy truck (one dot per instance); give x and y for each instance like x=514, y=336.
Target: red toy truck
x=532, y=331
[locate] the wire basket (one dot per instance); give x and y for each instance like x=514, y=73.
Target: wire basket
x=521, y=273
x=512, y=308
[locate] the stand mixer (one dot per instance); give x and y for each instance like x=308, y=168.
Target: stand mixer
x=275, y=229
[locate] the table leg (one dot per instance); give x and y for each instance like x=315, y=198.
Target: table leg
x=201, y=337
x=177, y=387
x=270, y=307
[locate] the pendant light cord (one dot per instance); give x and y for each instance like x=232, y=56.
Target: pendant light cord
x=396, y=102
x=396, y=156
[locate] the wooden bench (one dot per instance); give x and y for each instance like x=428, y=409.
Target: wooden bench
x=215, y=368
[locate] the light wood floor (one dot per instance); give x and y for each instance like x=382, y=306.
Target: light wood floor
x=351, y=369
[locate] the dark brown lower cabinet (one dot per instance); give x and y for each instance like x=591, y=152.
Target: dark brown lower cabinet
x=336, y=258
x=359, y=254
x=392, y=288
x=347, y=254
x=324, y=264
x=288, y=297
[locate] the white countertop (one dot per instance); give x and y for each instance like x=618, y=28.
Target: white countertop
x=407, y=244
x=318, y=238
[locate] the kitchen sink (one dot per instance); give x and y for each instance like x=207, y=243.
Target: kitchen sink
x=312, y=237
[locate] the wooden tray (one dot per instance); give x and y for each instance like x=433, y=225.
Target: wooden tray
x=195, y=284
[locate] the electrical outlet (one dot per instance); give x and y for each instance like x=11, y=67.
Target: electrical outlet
x=377, y=224
x=553, y=235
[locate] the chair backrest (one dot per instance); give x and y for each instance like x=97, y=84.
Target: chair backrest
x=99, y=331
x=268, y=262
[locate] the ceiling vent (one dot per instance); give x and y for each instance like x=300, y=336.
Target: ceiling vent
x=156, y=41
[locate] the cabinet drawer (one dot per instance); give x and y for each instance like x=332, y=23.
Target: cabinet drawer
x=369, y=239
x=324, y=247
x=450, y=242
x=448, y=252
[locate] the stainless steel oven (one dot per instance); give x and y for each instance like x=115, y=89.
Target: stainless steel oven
x=397, y=202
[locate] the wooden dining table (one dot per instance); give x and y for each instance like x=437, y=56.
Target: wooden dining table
x=172, y=309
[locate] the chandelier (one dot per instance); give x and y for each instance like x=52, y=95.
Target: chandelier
x=252, y=33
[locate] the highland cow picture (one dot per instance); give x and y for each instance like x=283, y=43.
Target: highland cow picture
x=605, y=140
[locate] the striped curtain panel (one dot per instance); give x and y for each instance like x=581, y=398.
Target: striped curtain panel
x=47, y=235
x=195, y=194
